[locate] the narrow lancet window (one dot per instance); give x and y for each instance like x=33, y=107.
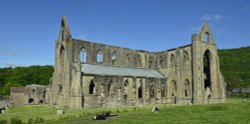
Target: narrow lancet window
x=91, y=87
x=83, y=55
x=99, y=57
x=113, y=57
x=172, y=60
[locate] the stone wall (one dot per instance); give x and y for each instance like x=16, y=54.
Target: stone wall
x=191, y=73
x=31, y=94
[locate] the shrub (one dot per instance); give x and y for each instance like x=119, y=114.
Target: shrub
x=15, y=120
x=125, y=110
x=39, y=120
x=118, y=111
x=3, y=121
x=30, y=121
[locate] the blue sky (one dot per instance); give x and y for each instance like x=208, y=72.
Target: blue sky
x=29, y=28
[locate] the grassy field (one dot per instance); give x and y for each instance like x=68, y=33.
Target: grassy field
x=234, y=111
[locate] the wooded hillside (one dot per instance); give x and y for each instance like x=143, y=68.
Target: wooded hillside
x=235, y=67
x=22, y=76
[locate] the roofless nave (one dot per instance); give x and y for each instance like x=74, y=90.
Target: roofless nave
x=90, y=74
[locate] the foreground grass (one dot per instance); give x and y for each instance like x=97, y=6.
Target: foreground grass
x=232, y=112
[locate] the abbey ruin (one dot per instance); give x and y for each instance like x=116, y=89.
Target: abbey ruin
x=89, y=74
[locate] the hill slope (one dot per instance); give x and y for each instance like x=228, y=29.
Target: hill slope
x=235, y=67
x=22, y=76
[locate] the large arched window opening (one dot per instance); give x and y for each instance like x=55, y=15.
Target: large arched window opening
x=140, y=92
x=113, y=57
x=62, y=55
x=99, y=57
x=91, y=87
x=83, y=55
x=207, y=69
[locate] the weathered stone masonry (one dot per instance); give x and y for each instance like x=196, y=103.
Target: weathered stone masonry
x=89, y=74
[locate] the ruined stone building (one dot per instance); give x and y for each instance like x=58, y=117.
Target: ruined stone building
x=31, y=94
x=89, y=74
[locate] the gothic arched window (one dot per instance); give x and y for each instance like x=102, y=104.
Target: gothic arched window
x=91, y=87
x=83, y=55
x=206, y=38
x=113, y=57
x=160, y=61
x=99, y=57
x=128, y=58
x=62, y=55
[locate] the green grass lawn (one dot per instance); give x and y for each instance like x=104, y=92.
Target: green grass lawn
x=234, y=111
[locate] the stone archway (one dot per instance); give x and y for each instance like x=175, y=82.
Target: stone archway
x=140, y=92
x=207, y=74
x=31, y=101
x=91, y=87
x=207, y=69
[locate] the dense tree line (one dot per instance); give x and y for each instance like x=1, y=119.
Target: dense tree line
x=234, y=64
x=22, y=76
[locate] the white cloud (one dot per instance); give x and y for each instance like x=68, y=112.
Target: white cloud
x=214, y=17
